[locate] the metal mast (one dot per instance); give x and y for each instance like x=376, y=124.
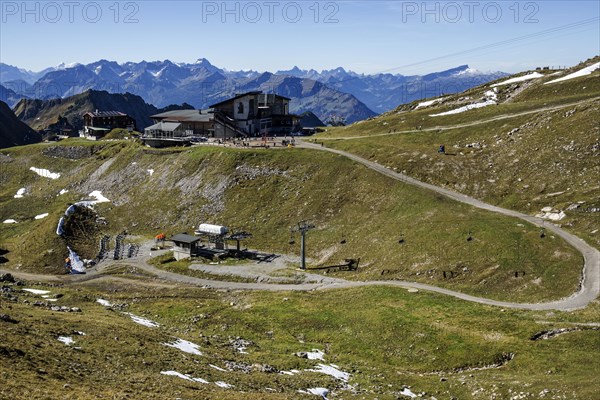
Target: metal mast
x=303, y=227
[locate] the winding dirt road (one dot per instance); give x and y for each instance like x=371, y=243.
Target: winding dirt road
x=468, y=124
x=590, y=282
x=589, y=290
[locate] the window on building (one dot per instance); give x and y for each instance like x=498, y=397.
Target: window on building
x=240, y=108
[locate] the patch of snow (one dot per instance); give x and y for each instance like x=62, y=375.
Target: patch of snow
x=105, y=303
x=531, y=75
x=151, y=172
x=290, y=372
x=182, y=376
x=41, y=216
x=323, y=392
x=66, y=340
x=223, y=385
x=315, y=354
x=37, y=291
x=10, y=221
x=331, y=370
x=59, y=228
x=185, y=346
x=76, y=263
x=467, y=71
x=70, y=210
x=491, y=94
x=286, y=373
x=63, y=191
x=582, y=72
x=466, y=108
x=80, y=333
x=217, y=368
x=67, y=65
x=429, y=102
x=20, y=193
x=157, y=74
x=99, y=197
x=45, y=173
x=142, y=321
x=406, y=392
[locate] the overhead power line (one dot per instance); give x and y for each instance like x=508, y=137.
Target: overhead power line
x=504, y=42
x=488, y=46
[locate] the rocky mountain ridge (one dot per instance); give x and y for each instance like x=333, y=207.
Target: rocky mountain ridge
x=42, y=114
x=13, y=132
x=330, y=93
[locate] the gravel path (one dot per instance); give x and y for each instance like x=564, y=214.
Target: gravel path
x=590, y=283
x=589, y=290
x=468, y=124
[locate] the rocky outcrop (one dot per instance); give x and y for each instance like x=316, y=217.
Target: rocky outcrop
x=70, y=152
x=14, y=132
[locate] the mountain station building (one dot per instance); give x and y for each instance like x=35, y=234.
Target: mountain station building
x=255, y=114
x=252, y=114
x=96, y=124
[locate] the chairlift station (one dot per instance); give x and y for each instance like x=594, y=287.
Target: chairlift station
x=208, y=241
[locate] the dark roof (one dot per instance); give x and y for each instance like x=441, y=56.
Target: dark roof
x=185, y=116
x=237, y=96
x=185, y=238
x=106, y=114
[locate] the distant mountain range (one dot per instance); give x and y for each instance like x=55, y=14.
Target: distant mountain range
x=164, y=82
x=336, y=92
x=10, y=97
x=384, y=92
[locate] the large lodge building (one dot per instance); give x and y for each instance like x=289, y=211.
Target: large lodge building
x=252, y=114
x=96, y=124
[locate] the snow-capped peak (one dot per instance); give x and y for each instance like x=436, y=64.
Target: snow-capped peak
x=68, y=65
x=468, y=70
x=202, y=61
x=157, y=74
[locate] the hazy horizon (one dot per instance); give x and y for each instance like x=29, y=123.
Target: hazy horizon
x=409, y=38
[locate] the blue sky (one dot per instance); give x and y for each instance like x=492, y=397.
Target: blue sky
x=407, y=37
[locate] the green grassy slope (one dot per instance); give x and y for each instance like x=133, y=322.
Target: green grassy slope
x=384, y=338
x=546, y=158
x=266, y=192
